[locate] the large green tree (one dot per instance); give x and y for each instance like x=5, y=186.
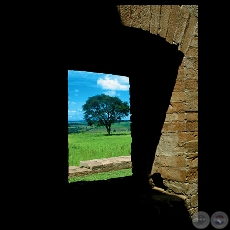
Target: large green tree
x=104, y=110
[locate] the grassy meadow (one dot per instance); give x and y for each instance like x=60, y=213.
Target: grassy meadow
x=88, y=143
x=103, y=175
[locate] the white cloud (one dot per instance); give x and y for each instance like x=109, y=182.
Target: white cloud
x=74, y=103
x=76, y=90
x=111, y=93
x=123, y=79
x=113, y=83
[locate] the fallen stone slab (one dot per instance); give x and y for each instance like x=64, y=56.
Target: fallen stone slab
x=100, y=165
x=78, y=171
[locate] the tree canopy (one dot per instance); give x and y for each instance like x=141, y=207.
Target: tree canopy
x=104, y=110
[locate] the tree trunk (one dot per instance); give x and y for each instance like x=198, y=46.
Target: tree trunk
x=108, y=127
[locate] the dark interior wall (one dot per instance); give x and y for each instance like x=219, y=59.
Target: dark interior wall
x=101, y=44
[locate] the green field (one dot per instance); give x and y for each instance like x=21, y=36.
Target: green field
x=82, y=127
x=88, y=143
x=103, y=175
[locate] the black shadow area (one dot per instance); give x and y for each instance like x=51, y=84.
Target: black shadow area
x=102, y=44
x=114, y=204
x=92, y=38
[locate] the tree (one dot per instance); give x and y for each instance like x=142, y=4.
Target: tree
x=104, y=110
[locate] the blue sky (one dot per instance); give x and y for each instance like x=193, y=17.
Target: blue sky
x=82, y=85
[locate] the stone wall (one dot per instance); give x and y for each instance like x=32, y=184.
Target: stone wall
x=176, y=156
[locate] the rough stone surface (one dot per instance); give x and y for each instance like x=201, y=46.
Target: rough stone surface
x=189, y=33
x=187, y=136
x=175, y=174
x=182, y=22
x=173, y=20
x=178, y=97
x=145, y=17
x=155, y=18
x=192, y=175
x=100, y=165
x=191, y=126
x=174, y=126
x=175, y=117
x=192, y=189
x=179, y=86
x=194, y=201
x=193, y=162
x=192, y=116
x=177, y=151
x=176, y=107
x=165, y=13
x=191, y=85
x=173, y=161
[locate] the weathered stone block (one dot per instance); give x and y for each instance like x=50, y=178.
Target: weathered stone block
x=135, y=15
x=191, y=106
x=173, y=18
x=191, y=146
x=175, y=117
x=194, y=42
x=191, y=73
x=192, y=52
x=125, y=15
x=165, y=12
x=192, y=116
x=192, y=189
x=191, y=85
x=194, y=201
x=174, y=126
x=173, y=174
x=192, y=162
x=191, y=155
x=145, y=17
x=191, y=126
x=176, y=107
x=169, y=138
x=178, y=97
x=182, y=23
x=173, y=161
x=191, y=96
x=155, y=18
x=176, y=187
x=181, y=72
x=192, y=211
x=171, y=151
x=191, y=63
x=192, y=175
x=187, y=136
x=189, y=32
x=155, y=168
x=179, y=86
x=191, y=103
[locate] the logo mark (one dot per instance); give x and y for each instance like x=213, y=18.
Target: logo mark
x=200, y=220
x=219, y=220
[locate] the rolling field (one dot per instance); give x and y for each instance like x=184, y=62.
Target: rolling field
x=88, y=143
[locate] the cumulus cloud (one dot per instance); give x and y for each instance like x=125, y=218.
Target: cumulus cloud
x=113, y=83
x=111, y=93
x=123, y=79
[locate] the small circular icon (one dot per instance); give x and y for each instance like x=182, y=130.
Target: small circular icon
x=219, y=220
x=200, y=220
